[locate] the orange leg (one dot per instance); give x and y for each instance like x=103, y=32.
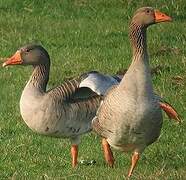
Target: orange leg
x=135, y=158
x=170, y=111
x=74, y=154
x=107, y=152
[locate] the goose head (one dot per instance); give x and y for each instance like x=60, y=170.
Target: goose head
x=29, y=55
x=146, y=16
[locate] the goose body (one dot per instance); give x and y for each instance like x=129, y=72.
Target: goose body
x=134, y=113
x=130, y=118
x=54, y=116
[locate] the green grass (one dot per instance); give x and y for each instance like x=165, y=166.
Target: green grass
x=84, y=35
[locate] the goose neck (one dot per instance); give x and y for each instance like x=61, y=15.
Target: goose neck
x=40, y=76
x=138, y=40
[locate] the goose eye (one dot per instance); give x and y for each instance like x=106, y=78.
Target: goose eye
x=27, y=50
x=147, y=11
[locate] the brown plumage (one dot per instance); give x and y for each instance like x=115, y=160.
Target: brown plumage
x=58, y=112
x=64, y=111
x=130, y=118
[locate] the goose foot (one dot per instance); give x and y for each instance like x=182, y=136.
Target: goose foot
x=107, y=153
x=170, y=111
x=135, y=158
x=74, y=155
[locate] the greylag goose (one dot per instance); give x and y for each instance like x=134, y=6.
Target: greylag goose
x=130, y=117
x=64, y=111
x=67, y=110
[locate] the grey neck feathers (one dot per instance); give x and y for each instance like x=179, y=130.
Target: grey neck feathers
x=138, y=41
x=40, y=76
x=138, y=74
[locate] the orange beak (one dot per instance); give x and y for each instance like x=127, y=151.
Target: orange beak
x=161, y=17
x=15, y=59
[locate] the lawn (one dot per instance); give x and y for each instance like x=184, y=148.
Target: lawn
x=84, y=35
